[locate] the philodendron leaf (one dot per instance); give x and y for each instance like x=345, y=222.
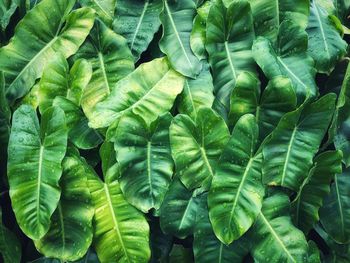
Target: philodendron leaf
x=277, y=99
x=79, y=132
x=207, y=247
x=144, y=156
x=38, y=38
x=70, y=234
x=275, y=237
x=289, y=59
x=236, y=193
x=335, y=212
x=289, y=152
x=314, y=189
x=7, y=9
x=268, y=15
x=10, y=247
x=149, y=91
x=197, y=38
x=178, y=210
x=58, y=80
x=197, y=93
x=34, y=167
x=111, y=60
x=176, y=18
x=137, y=21
x=121, y=232
x=326, y=45
x=197, y=145
x=104, y=9
x=229, y=39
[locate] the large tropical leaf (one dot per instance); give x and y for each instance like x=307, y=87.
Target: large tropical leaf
x=197, y=145
x=37, y=38
x=314, y=189
x=275, y=237
x=137, y=21
x=197, y=93
x=289, y=58
x=34, y=167
x=70, y=234
x=121, y=232
x=10, y=247
x=229, y=39
x=79, y=132
x=143, y=153
x=277, y=99
x=58, y=80
x=176, y=18
x=104, y=8
x=149, y=91
x=111, y=60
x=326, y=45
x=236, y=193
x=7, y=8
x=207, y=247
x=335, y=212
x=288, y=154
x=268, y=15
x=178, y=210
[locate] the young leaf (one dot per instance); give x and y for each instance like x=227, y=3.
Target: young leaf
x=34, y=167
x=137, y=21
x=111, y=60
x=178, y=210
x=149, y=91
x=70, y=234
x=276, y=239
x=176, y=18
x=236, y=193
x=314, y=189
x=326, y=45
x=229, y=39
x=289, y=152
x=335, y=212
x=197, y=145
x=144, y=157
x=38, y=38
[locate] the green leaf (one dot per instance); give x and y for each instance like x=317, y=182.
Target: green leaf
x=121, y=232
x=236, y=193
x=176, y=19
x=178, y=210
x=149, y=91
x=111, y=60
x=79, y=132
x=289, y=59
x=342, y=8
x=229, y=39
x=144, y=157
x=197, y=93
x=137, y=21
x=58, y=80
x=38, y=38
x=314, y=189
x=34, y=167
x=335, y=212
x=277, y=99
x=197, y=37
x=276, y=239
x=197, y=145
x=104, y=9
x=313, y=253
x=180, y=254
x=70, y=234
x=5, y=117
x=288, y=154
x=10, y=247
x=7, y=9
x=268, y=15
x=326, y=46
x=207, y=247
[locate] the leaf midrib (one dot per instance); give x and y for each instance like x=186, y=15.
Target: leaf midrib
x=40, y=164
x=289, y=149
x=139, y=24
x=322, y=30
x=339, y=204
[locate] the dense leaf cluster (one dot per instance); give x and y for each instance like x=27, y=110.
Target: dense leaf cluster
x=174, y=131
